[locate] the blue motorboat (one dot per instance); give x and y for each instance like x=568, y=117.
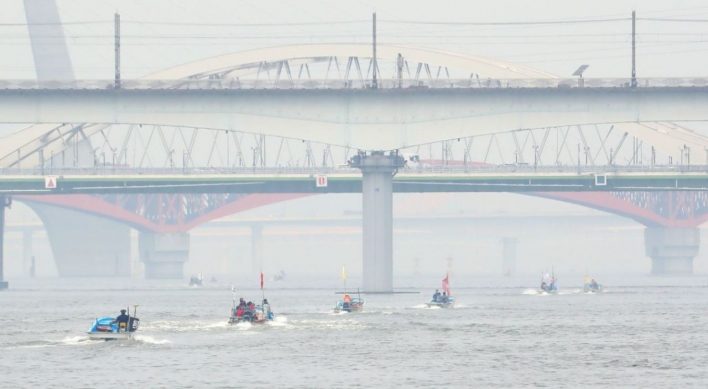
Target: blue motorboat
x=551, y=287
x=448, y=302
x=108, y=328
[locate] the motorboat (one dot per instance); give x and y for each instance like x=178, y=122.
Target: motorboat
x=247, y=312
x=107, y=328
x=445, y=300
x=450, y=303
x=590, y=285
x=551, y=287
x=350, y=305
x=280, y=276
x=260, y=314
x=592, y=288
x=196, y=280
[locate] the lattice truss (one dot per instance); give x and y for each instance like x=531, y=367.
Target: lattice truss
x=670, y=205
x=169, y=147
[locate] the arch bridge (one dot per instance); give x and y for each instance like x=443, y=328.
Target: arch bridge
x=326, y=94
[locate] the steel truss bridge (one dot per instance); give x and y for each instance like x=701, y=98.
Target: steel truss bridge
x=269, y=120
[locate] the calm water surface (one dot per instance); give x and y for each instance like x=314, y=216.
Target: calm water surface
x=646, y=333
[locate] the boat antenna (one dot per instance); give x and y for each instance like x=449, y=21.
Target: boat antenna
x=359, y=293
x=135, y=315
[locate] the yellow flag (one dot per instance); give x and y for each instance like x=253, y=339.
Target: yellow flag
x=344, y=273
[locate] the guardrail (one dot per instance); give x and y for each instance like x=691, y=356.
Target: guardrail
x=108, y=170
x=234, y=84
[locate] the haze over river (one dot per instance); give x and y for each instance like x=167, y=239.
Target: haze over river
x=641, y=332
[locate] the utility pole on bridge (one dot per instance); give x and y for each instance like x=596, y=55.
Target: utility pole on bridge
x=634, y=49
x=374, y=65
x=116, y=21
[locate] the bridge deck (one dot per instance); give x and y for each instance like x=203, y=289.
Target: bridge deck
x=350, y=182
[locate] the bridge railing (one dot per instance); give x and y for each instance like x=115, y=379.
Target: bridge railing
x=234, y=84
x=289, y=170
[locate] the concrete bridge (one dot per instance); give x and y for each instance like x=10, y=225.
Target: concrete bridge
x=261, y=92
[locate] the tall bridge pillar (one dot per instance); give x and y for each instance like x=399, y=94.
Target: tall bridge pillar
x=672, y=249
x=27, y=263
x=256, y=247
x=164, y=255
x=4, y=202
x=84, y=245
x=377, y=170
x=509, y=256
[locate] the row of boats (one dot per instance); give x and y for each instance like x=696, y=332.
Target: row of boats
x=549, y=284
x=126, y=325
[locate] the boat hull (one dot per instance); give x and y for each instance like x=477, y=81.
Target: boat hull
x=589, y=289
x=440, y=305
x=111, y=335
x=356, y=305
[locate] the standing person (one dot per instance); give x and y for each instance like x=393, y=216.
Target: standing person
x=436, y=296
x=266, y=309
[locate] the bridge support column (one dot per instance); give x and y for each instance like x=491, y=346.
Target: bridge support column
x=377, y=170
x=164, y=255
x=27, y=262
x=256, y=247
x=4, y=202
x=672, y=249
x=84, y=245
x=509, y=256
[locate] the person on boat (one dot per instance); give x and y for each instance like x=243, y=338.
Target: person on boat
x=266, y=309
x=554, y=286
x=346, y=303
x=122, y=318
x=593, y=284
x=444, y=298
x=436, y=296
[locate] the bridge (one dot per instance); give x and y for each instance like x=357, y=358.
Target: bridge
x=272, y=93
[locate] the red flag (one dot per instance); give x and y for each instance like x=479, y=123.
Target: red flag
x=446, y=284
x=261, y=280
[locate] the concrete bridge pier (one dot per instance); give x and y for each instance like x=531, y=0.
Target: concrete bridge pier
x=27, y=258
x=256, y=247
x=164, y=255
x=84, y=245
x=672, y=249
x=4, y=203
x=509, y=256
x=378, y=169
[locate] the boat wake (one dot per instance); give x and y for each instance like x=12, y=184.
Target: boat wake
x=150, y=340
x=184, y=326
x=531, y=292
x=67, y=341
x=279, y=321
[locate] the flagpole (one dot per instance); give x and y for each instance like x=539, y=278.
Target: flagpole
x=262, y=291
x=344, y=277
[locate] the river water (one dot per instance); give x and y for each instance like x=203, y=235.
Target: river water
x=643, y=332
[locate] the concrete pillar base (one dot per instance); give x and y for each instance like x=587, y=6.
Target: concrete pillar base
x=377, y=170
x=164, y=255
x=84, y=245
x=672, y=250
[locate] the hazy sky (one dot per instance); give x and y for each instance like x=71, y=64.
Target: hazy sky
x=664, y=48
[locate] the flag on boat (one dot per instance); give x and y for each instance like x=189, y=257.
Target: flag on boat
x=446, y=284
x=344, y=273
x=261, y=279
